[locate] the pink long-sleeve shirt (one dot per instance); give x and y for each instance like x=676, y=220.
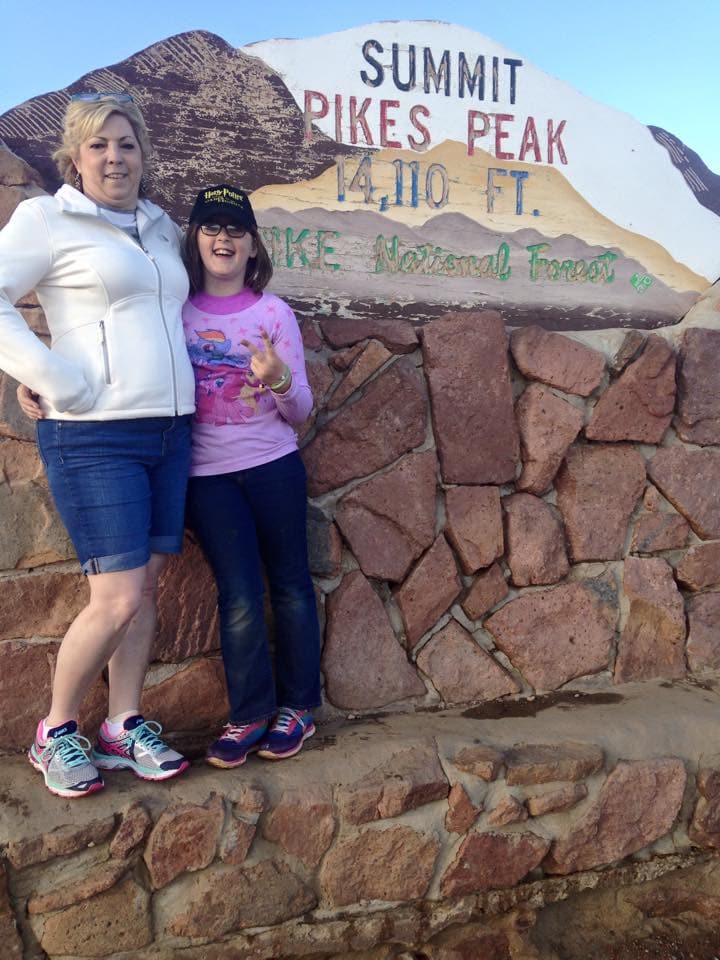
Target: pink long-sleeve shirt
x=239, y=422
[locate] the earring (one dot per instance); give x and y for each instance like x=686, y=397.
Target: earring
x=78, y=181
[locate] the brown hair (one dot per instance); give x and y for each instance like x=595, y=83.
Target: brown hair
x=258, y=272
x=84, y=119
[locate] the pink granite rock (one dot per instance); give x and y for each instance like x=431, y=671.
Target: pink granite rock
x=507, y=810
x=466, y=366
x=653, y=638
x=698, y=418
x=390, y=520
x=399, y=336
x=481, y=760
x=363, y=663
x=13, y=422
x=704, y=830
x=193, y=697
x=236, y=840
x=387, y=421
x=659, y=530
x=26, y=508
x=535, y=541
x=552, y=636
x=369, y=362
x=460, y=670
x=118, y=919
x=700, y=567
x=488, y=589
x=556, y=801
x=557, y=360
x=310, y=337
x=25, y=677
x=690, y=480
x=491, y=861
x=633, y=343
x=407, y=780
x=637, y=805
x=302, y=822
x=320, y=378
x=187, y=608
x=462, y=812
x=343, y=359
x=703, y=643
x=548, y=425
x=9, y=936
x=393, y=864
x=597, y=489
x=133, y=829
x=41, y=604
x=534, y=763
x=71, y=838
x=225, y=898
x=474, y=525
x=639, y=404
x=324, y=544
x=184, y=838
x=429, y=590
x=95, y=879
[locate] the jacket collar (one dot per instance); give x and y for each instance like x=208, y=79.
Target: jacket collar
x=71, y=200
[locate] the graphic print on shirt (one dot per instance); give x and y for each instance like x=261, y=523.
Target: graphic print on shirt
x=227, y=389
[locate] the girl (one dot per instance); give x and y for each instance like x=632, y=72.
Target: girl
x=247, y=491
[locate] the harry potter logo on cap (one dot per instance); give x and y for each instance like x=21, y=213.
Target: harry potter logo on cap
x=225, y=201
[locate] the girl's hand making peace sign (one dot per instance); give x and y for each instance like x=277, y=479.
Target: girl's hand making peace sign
x=267, y=365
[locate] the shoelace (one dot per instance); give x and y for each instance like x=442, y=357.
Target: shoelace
x=147, y=735
x=72, y=749
x=285, y=718
x=236, y=732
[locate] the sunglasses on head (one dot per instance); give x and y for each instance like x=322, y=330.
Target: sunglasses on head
x=91, y=96
x=231, y=229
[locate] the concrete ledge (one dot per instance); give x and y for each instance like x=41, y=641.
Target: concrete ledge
x=400, y=832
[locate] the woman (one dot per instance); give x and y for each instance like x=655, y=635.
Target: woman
x=115, y=391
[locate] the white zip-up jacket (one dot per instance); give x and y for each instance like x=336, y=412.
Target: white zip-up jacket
x=113, y=308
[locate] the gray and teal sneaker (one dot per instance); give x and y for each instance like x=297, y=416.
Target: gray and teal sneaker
x=138, y=748
x=64, y=762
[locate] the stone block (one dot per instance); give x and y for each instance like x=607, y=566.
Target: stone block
x=535, y=541
x=388, y=420
x=185, y=838
x=689, y=479
x=460, y=670
x=363, y=663
x=700, y=566
x=698, y=418
x=41, y=604
x=302, y=823
x=367, y=363
x=474, y=525
x=462, y=812
x=491, y=861
x=187, y=608
x=638, y=804
x=533, y=763
x=389, y=520
x=398, y=336
x=193, y=697
x=429, y=590
x=548, y=425
x=464, y=352
x=392, y=864
x=557, y=360
x=488, y=589
x=703, y=642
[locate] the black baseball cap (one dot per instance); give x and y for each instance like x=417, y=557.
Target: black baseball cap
x=225, y=201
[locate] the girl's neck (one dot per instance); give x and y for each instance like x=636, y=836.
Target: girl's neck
x=215, y=287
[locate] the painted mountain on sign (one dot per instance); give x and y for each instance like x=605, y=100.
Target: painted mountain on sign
x=214, y=115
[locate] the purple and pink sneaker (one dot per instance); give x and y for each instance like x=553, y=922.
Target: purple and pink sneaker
x=232, y=747
x=287, y=733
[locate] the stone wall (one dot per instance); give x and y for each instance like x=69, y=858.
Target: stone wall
x=493, y=513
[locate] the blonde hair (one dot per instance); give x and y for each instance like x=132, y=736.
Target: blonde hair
x=85, y=119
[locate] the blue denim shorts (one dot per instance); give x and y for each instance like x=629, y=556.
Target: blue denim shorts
x=119, y=486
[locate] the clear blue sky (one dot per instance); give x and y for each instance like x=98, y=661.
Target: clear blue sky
x=656, y=59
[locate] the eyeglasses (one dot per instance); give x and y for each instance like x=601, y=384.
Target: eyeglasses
x=92, y=96
x=231, y=229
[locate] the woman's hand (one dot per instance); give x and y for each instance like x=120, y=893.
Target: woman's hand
x=29, y=402
x=267, y=365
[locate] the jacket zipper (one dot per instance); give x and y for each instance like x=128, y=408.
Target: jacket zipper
x=105, y=353
x=151, y=258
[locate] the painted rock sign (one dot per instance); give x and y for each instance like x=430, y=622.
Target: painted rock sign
x=411, y=168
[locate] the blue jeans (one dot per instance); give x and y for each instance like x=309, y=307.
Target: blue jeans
x=246, y=520
x=119, y=486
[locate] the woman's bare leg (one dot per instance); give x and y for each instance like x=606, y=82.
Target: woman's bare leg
x=93, y=637
x=128, y=664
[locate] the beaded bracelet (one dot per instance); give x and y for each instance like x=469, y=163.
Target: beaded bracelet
x=285, y=378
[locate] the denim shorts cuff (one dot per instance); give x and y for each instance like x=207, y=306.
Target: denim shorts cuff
x=117, y=562
x=166, y=544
